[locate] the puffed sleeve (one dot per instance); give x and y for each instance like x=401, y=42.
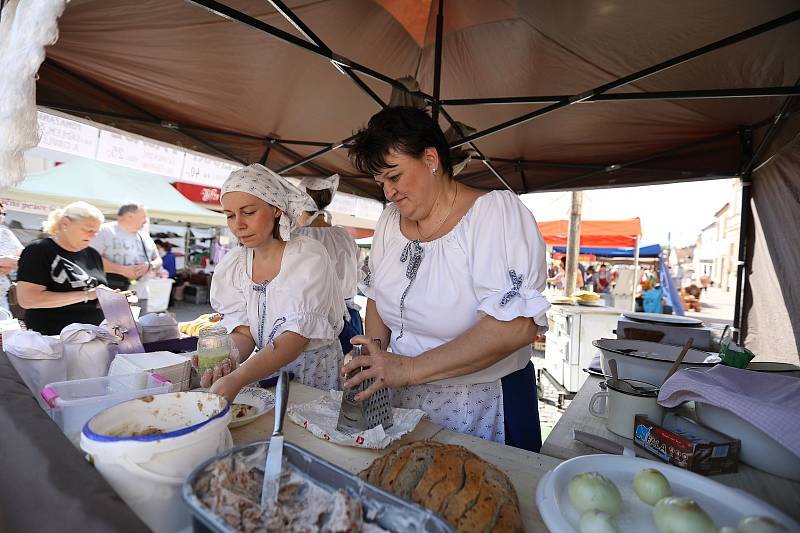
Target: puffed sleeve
x=507, y=259
x=227, y=297
x=310, y=302
x=376, y=253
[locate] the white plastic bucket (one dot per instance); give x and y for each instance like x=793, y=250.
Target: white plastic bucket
x=160, y=289
x=147, y=471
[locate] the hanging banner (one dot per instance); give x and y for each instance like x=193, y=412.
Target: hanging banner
x=33, y=208
x=138, y=153
x=199, y=193
x=206, y=171
x=68, y=136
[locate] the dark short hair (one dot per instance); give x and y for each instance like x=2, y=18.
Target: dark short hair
x=322, y=197
x=128, y=208
x=406, y=130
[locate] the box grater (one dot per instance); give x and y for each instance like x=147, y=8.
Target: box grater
x=355, y=416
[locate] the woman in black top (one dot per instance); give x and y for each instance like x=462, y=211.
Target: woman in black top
x=58, y=276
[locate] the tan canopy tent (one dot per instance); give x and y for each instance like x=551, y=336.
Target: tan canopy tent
x=561, y=95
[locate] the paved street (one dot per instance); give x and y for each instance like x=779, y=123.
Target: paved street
x=717, y=306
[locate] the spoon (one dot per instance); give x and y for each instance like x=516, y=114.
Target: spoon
x=612, y=365
x=679, y=360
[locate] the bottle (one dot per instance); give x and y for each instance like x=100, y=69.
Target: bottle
x=731, y=353
x=213, y=347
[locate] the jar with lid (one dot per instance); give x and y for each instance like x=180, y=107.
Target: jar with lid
x=212, y=347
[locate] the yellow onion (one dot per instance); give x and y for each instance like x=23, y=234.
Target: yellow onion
x=651, y=485
x=592, y=491
x=681, y=515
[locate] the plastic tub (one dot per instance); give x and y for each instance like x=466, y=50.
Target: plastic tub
x=37, y=369
x=73, y=403
x=148, y=470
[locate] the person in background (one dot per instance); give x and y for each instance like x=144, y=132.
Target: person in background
x=341, y=248
x=560, y=279
x=167, y=257
x=454, y=288
x=652, y=298
x=129, y=254
x=603, y=277
x=58, y=276
x=588, y=280
x=10, y=248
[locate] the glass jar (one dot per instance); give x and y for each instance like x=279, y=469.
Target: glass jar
x=212, y=347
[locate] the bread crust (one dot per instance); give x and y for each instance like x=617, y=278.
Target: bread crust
x=470, y=493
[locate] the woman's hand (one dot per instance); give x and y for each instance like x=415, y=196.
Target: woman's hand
x=8, y=264
x=227, y=386
x=389, y=370
x=212, y=375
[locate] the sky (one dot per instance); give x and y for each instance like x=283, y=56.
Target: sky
x=680, y=209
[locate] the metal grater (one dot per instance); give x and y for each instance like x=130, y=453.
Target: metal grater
x=355, y=416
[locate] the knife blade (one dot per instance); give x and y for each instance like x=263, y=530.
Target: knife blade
x=602, y=443
x=272, y=468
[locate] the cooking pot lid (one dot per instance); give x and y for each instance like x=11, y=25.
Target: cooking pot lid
x=633, y=387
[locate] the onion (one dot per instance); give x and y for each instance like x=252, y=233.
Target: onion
x=760, y=524
x=651, y=485
x=681, y=515
x=596, y=522
x=593, y=491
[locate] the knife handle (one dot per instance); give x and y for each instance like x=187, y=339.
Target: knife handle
x=281, y=400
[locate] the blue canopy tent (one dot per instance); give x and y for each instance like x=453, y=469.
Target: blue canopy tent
x=651, y=251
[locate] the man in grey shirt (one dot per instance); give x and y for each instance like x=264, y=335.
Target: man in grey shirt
x=129, y=254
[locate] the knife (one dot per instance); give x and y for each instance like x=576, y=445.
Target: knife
x=602, y=443
x=272, y=470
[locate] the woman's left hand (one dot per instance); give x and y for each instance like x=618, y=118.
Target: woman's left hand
x=389, y=370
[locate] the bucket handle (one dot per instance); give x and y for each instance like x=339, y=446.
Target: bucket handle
x=152, y=476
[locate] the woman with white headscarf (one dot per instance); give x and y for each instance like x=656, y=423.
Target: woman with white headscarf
x=341, y=248
x=277, y=296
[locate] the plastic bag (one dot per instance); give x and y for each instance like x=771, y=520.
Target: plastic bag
x=88, y=350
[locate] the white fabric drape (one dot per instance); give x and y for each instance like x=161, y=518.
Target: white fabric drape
x=25, y=29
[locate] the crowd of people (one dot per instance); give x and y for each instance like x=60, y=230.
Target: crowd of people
x=599, y=279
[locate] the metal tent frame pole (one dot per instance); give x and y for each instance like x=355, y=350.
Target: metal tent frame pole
x=660, y=67
x=749, y=92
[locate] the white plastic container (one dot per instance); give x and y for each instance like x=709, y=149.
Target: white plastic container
x=73, y=403
x=36, y=367
x=147, y=471
x=160, y=289
x=175, y=367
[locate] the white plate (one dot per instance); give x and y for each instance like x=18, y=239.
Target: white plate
x=669, y=320
x=725, y=505
x=262, y=399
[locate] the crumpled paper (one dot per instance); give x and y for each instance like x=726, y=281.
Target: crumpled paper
x=321, y=416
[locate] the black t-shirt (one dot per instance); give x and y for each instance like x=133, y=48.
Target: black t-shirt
x=48, y=264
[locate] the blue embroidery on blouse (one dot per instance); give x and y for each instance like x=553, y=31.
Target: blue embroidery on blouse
x=367, y=274
x=413, y=254
x=261, y=288
x=278, y=323
x=516, y=284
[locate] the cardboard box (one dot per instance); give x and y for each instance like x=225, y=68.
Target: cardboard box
x=686, y=444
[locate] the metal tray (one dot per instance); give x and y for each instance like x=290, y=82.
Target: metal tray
x=389, y=511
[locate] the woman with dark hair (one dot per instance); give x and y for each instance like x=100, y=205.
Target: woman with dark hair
x=341, y=248
x=454, y=288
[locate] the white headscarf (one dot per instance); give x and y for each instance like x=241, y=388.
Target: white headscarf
x=320, y=184
x=263, y=183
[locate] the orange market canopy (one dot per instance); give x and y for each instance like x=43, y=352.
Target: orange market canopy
x=594, y=233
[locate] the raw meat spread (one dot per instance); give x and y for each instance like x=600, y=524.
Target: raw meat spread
x=302, y=506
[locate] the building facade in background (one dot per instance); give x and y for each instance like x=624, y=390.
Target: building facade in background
x=716, y=250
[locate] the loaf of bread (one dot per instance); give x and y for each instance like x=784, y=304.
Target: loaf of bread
x=465, y=490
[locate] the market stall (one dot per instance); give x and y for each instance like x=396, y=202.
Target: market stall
x=98, y=69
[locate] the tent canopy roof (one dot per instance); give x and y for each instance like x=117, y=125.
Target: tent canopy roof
x=181, y=74
x=594, y=233
x=108, y=186
x=649, y=251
